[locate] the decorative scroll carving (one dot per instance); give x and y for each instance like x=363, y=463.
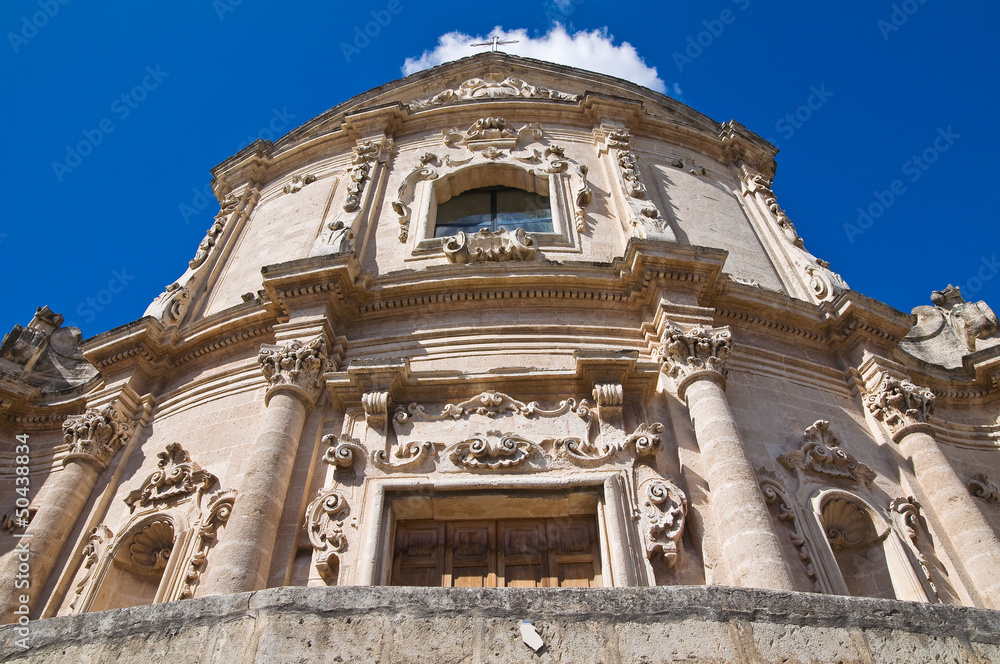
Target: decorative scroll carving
x=405, y=456
x=846, y=525
x=295, y=364
x=666, y=511
x=97, y=435
x=226, y=208
x=176, y=477
x=10, y=521
x=173, y=302
x=376, y=406
x=496, y=133
x=366, y=154
x=492, y=451
x=609, y=398
x=644, y=441
x=297, y=182
x=907, y=513
x=584, y=196
x=404, y=195
x=215, y=516
x=969, y=320
x=491, y=404
x=97, y=544
x=980, y=486
x=775, y=496
x=644, y=214
x=492, y=86
x=489, y=246
x=822, y=281
x=341, y=453
x=698, y=348
x=150, y=548
x=325, y=526
x=951, y=329
x=899, y=403
x=762, y=186
x=338, y=235
x=821, y=454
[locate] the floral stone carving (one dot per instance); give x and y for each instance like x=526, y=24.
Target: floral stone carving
x=699, y=348
x=489, y=246
x=492, y=86
x=491, y=404
x=216, y=514
x=492, y=451
x=775, y=496
x=295, y=364
x=899, y=403
x=341, y=453
x=665, y=511
x=97, y=435
x=176, y=477
x=821, y=454
x=326, y=531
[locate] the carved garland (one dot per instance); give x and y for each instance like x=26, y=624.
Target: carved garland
x=366, y=155
x=492, y=86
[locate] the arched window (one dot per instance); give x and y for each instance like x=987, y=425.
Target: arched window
x=492, y=209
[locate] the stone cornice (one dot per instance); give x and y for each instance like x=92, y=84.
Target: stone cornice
x=633, y=280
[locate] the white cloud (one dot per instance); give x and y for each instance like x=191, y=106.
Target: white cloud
x=594, y=50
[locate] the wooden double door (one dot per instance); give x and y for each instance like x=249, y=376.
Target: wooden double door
x=513, y=553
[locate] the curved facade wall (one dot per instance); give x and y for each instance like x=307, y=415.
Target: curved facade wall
x=666, y=389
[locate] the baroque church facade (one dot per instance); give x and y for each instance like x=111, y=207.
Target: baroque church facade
x=507, y=324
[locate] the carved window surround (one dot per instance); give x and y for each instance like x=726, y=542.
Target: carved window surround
x=440, y=177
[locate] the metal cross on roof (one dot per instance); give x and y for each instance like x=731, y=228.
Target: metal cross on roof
x=495, y=41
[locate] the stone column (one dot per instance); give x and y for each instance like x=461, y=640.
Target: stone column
x=93, y=439
x=696, y=359
x=242, y=558
x=904, y=408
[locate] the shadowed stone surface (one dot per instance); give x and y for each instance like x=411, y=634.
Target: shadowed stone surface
x=356, y=624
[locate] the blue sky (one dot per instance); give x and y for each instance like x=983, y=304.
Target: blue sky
x=883, y=106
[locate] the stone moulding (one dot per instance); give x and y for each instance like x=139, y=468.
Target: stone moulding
x=821, y=454
x=489, y=246
x=492, y=86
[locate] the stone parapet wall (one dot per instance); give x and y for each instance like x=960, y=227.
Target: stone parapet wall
x=382, y=624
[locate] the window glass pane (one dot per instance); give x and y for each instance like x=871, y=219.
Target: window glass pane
x=467, y=212
x=522, y=209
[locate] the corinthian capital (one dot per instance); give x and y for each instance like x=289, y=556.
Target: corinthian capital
x=697, y=349
x=295, y=365
x=97, y=435
x=899, y=403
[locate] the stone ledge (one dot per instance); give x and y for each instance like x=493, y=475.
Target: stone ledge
x=701, y=624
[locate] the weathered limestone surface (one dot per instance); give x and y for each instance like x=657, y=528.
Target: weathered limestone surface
x=681, y=624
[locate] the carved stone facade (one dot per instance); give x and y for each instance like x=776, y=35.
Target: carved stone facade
x=342, y=389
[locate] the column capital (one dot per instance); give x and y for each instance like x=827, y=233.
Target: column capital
x=900, y=404
x=695, y=352
x=296, y=366
x=97, y=435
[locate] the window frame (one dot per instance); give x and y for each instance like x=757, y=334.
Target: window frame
x=430, y=193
